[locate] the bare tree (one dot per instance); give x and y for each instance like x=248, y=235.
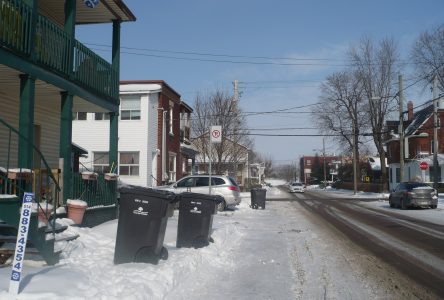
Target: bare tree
x=428, y=56
x=338, y=112
x=375, y=68
x=218, y=108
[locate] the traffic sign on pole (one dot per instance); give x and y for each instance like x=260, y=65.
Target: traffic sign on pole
x=216, y=134
x=423, y=165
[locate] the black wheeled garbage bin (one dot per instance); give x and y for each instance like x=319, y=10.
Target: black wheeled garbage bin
x=258, y=198
x=196, y=219
x=143, y=216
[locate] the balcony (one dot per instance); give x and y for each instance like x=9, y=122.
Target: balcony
x=185, y=135
x=54, y=50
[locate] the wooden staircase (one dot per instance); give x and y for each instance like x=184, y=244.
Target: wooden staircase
x=40, y=238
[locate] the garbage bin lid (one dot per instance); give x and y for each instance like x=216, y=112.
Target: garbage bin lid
x=216, y=198
x=150, y=192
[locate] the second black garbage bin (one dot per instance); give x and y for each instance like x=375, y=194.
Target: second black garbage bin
x=196, y=219
x=143, y=216
x=258, y=198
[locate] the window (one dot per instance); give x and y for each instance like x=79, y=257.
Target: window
x=170, y=113
x=101, y=162
x=217, y=181
x=189, y=182
x=79, y=116
x=129, y=163
x=202, y=181
x=172, y=167
x=130, y=108
x=398, y=174
x=101, y=116
x=308, y=162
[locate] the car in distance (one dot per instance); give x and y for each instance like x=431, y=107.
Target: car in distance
x=297, y=187
x=413, y=194
x=221, y=185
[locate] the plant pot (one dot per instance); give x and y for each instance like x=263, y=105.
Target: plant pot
x=76, y=211
x=89, y=176
x=111, y=176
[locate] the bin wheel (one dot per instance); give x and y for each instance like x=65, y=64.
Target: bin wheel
x=200, y=242
x=164, y=253
x=221, y=206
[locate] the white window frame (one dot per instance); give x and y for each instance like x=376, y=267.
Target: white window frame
x=75, y=116
x=100, y=163
x=101, y=116
x=172, y=171
x=171, y=117
x=131, y=166
x=134, y=114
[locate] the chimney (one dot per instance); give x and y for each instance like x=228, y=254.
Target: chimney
x=410, y=110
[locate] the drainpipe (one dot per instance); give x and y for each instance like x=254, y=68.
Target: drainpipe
x=164, y=173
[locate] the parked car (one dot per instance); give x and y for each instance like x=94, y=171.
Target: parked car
x=224, y=186
x=413, y=194
x=297, y=187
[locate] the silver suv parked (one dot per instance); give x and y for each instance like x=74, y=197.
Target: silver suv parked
x=221, y=185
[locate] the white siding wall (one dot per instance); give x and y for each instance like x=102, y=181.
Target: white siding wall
x=46, y=114
x=153, y=104
x=134, y=136
x=91, y=135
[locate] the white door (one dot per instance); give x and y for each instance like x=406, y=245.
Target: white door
x=153, y=176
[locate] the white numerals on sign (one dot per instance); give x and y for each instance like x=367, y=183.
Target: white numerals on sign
x=20, y=246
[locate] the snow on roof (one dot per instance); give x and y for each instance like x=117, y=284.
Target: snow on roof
x=375, y=163
x=140, y=88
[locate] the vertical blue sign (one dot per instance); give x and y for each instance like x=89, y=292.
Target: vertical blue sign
x=20, y=246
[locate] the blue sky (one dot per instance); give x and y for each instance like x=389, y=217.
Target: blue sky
x=306, y=29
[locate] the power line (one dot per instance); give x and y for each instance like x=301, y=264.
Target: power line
x=218, y=55
x=225, y=61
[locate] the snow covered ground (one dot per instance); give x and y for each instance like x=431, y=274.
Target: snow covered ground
x=276, y=253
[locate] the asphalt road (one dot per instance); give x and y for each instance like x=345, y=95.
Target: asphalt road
x=413, y=246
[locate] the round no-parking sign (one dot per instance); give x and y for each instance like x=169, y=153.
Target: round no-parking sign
x=423, y=165
x=216, y=134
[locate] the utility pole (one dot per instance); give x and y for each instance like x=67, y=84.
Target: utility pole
x=355, y=164
x=325, y=169
x=236, y=90
x=435, y=133
x=401, y=130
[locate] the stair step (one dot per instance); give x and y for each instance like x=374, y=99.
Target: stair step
x=58, y=228
x=66, y=238
x=9, y=248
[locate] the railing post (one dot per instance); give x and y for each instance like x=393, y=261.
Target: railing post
x=70, y=22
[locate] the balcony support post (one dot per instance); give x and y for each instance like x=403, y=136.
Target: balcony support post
x=26, y=121
x=66, y=142
x=113, y=140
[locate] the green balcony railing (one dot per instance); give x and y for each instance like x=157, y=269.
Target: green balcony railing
x=54, y=50
x=96, y=193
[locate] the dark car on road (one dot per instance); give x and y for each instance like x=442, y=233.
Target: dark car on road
x=413, y=194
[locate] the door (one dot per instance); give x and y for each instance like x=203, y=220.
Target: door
x=153, y=180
